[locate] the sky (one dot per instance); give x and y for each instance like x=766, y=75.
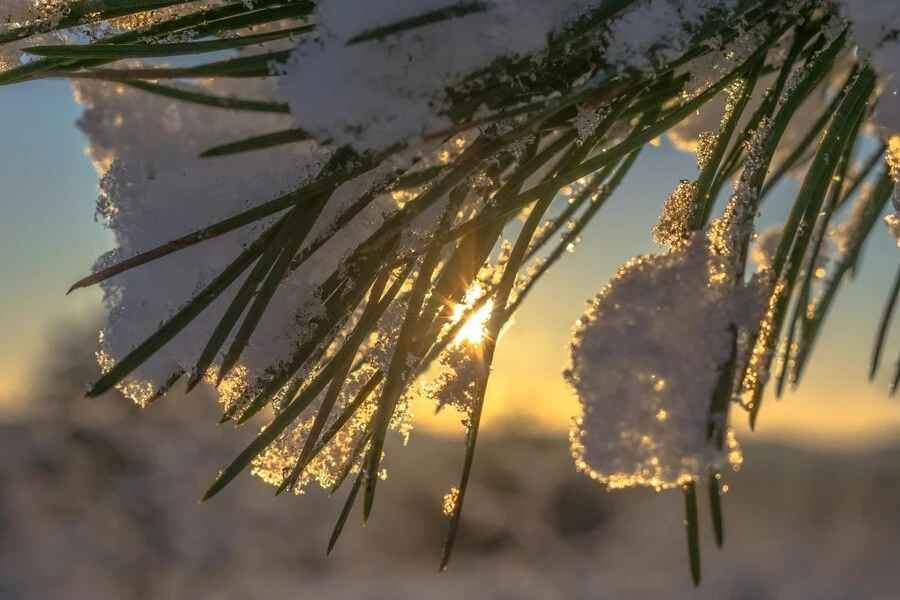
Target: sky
x=49, y=238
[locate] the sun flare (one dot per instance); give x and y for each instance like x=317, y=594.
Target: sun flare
x=474, y=329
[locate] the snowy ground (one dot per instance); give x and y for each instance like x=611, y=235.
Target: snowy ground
x=99, y=501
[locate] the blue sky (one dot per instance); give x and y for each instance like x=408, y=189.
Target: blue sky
x=49, y=238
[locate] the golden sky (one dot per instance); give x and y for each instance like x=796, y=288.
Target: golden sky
x=834, y=408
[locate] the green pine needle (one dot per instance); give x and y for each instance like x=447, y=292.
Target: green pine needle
x=84, y=12
x=345, y=512
x=237, y=307
x=692, y=528
x=114, y=52
x=260, y=142
x=883, y=326
x=182, y=319
x=715, y=506
x=874, y=206
x=257, y=213
x=258, y=65
x=461, y=9
x=799, y=225
x=196, y=97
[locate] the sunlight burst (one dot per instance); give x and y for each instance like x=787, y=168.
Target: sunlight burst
x=474, y=329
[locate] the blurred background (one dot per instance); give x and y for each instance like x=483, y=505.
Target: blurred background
x=99, y=499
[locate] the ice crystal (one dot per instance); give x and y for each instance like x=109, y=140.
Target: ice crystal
x=455, y=384
x=450, y=501
x=893, y=222
x=140, y=392
x=758, y=363
x=586, y=121
x=706, y=141
x=232, y=389
x=892, y=157
x=340, y=454
x=645, y=361
x=674, y=226
x=734, y=228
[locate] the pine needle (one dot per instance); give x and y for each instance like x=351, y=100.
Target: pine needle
x=873, y=207
x=260, y=142
x=715, y=506
x=237, y=221
x=460, y=9
x=196, y=97
x=258, y=65
x=113, y=52
x=799, y=225
x=86, y=11
x=182, y=319
x=297, y=226
x=883, y=326
x=692, y=528
x=345, y=512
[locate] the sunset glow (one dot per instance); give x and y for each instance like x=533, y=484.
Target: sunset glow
x=473, y=330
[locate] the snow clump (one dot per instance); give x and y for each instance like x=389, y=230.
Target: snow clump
x=378, y=92
x=645, y=361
